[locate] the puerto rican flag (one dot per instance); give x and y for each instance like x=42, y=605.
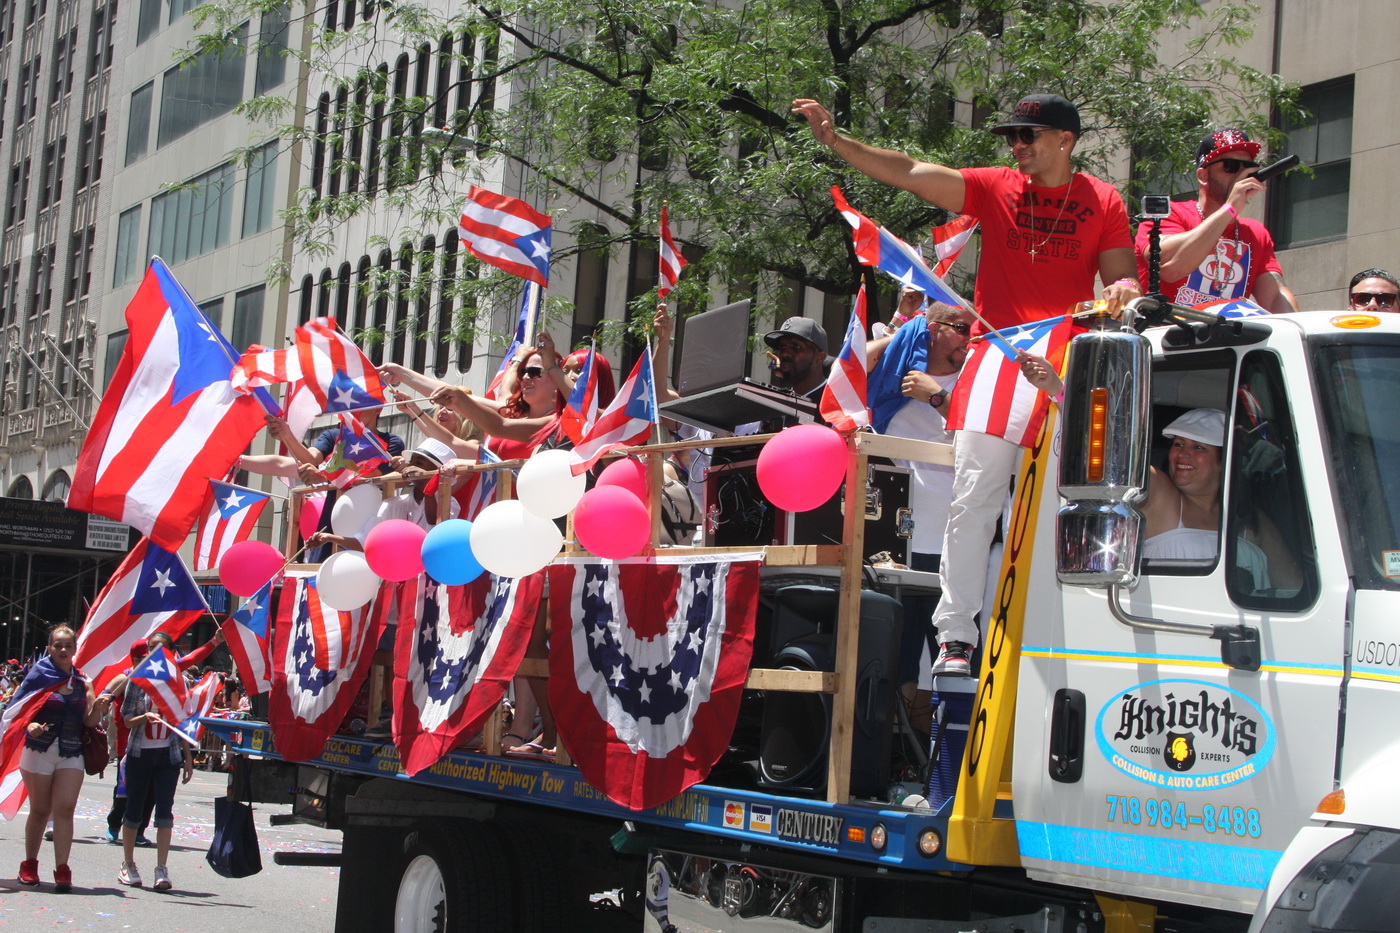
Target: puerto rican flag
x=949, y=240
x=246, y=634
x=164, y=683
x=992, y=397
x=336, y=371
x=647, y=666
x=357, y=453
x=151, y=591
x=43, y=679
x=482, y=486
x=307, y=701
x=455, y=652
x=232, y=514
x=672, y=262
x=627, y=421
x=876, y=246
x=168, y=421
x=581, y=411
x=507, y=233
x=1232, y=307
x=201, y=701
x=524, y=330
x=843, y=402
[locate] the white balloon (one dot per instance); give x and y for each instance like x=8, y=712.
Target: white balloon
x=547, y=485
x=345, y=581
x=355, y=508
x=511, y=541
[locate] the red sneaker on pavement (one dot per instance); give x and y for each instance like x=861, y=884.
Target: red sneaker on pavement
x=29, y=872
x=62, y=879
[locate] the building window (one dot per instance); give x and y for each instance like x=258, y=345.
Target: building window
x=116, y=343
x=138, y=125
x=202, y=89
x=1303, y=209
x=51, y=179
x=147, y=20
x=100, y=39
x=90, y=142
x=272, y=50
x=63, y=49
x=193, y=219
x=41, y=280
x=179, y=8
x=80, y=249
x=260, y=195
x=19, y=193
x=127, y=264
x=591, y=283
x=56, y=489
x=21, y=488
x=247, y=317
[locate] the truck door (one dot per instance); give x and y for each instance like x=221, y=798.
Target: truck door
x=1193, y=776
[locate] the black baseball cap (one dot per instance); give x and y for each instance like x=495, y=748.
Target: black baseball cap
x=1049, y=110
x=804, y=327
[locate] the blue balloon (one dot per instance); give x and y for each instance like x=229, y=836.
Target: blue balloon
x=447, y=553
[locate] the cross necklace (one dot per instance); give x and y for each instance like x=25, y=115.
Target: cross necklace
x=1037, y=247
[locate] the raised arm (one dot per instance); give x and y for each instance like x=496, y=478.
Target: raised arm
x=663, y=326
x=394, y=373
x=937, y=184
x=475, y=410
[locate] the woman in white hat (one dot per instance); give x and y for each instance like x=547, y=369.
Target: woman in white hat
x=1183, y=515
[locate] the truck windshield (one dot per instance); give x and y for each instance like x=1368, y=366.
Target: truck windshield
x=1359, y=382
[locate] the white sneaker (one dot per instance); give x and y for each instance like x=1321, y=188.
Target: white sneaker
x=162, y=879
x=129, y=875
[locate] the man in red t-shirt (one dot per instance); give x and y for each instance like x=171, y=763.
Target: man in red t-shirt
x=1208, y=250
x=1047, y=231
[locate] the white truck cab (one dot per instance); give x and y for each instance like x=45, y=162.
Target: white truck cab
x=1178, y=723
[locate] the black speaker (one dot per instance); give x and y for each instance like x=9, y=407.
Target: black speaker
x=796, y=728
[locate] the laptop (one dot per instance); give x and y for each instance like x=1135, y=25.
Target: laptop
x=717, y=394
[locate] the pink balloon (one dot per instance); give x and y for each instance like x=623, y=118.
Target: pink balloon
x=310, y=518
x=394, y=549
x=626, y=473
x=247, y=565
x=802, y=467
x=611, y=522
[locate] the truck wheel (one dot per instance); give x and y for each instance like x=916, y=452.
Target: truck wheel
x=452, y=883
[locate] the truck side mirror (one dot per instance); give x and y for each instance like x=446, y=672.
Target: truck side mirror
x=1103, y=458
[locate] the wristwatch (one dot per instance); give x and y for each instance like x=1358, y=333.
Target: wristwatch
x=938, y=398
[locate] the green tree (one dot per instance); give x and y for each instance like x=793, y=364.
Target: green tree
x=611, y=107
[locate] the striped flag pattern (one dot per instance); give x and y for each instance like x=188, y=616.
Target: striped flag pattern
x=876, y=246
x=672, y=262
x=247, y=635
x=581, y=410
x=992, y=397
x=160, y=677
x=43, y=679
x=949, y=240
x=201, y=701
x=336, y=371
x=627, y=421
x=232, y=514
x=843, y=402
x=507, y=233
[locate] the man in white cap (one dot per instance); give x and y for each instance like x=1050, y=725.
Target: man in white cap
x=1208, y=250
x=412, y=505
x=1047, y=232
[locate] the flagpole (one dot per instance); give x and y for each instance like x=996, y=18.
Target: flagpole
x=270, y=495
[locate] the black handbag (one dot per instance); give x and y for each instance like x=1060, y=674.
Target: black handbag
x=233, y=853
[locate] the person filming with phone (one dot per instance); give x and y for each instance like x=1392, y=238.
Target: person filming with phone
x=1208, y=250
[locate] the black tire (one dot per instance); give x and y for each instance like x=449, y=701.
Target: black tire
x=452, y=881
x=541, y=890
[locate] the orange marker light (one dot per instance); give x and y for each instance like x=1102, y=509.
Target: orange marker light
x=1334, y=803
x=1098, y=428
x=1356, y=321
x=855, y=833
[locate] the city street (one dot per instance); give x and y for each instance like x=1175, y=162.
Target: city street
x=277, y=899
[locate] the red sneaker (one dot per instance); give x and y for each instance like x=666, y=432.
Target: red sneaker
x=62, y=879
x=29, y=872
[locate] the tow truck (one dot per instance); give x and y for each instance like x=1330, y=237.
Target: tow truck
x=1184, y=745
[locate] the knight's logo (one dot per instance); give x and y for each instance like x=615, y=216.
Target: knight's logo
x=1179, y=751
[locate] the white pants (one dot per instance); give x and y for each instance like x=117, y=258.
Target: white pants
x=983, y=467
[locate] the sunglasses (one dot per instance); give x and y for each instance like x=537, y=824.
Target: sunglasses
x=1233, y=166
x=1026, y=135
x=961, y=329
x=532, y=372
x=1382, y=299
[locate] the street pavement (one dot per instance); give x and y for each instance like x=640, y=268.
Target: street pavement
x=278, y=900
